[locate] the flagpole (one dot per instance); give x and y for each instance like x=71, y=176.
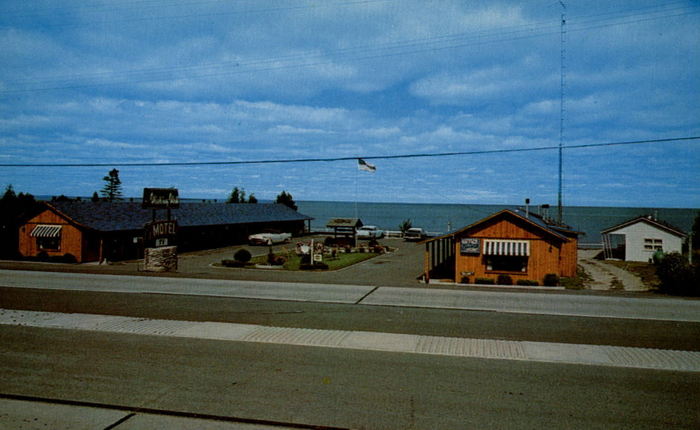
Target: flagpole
x=357, y=173
x=357, y=216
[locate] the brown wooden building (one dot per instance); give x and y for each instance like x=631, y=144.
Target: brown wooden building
x=94, y=231
x=506, y=243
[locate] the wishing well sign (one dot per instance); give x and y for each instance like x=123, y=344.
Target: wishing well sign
x=160, y=198
x=160, y=237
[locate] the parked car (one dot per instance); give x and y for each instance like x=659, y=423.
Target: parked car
x=269, y=238
x=414, y=233
x=369, y=232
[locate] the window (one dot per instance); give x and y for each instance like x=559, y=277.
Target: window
x=48, y=243
x=48, y=237
x=653, y=244
x=506, y=263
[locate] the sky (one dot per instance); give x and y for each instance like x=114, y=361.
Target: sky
x=169, y=81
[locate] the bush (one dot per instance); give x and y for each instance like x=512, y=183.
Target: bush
x=527, y=282
x=485, y=281
x=242, y=255
x=677, y=276
x=279, y=261
x=42, y=256
x=550, y=280
x=69, y=258
x=504, y=280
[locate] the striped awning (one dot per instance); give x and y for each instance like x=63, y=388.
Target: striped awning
x=507, y=247
x=46, y=230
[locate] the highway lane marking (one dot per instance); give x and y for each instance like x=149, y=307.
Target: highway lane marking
x=601, y=355
x=262, y=290
x=593, y=306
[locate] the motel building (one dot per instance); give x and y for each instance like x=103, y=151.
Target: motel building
x=97, y=231
x=521, y=245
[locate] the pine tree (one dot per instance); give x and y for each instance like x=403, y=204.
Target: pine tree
x=113, y=186
x=286, y=199
x=236, y=196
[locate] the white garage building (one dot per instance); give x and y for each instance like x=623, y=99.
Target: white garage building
x=639, y=238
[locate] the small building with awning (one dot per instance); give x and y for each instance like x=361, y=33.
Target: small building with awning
x=522, y=246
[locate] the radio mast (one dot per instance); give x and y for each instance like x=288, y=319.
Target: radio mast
x=562, y=81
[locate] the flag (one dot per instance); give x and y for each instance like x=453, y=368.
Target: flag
x=363, y=165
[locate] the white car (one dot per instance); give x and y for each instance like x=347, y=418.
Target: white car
x=369, y=232
x=414, y=233
x=269, y=238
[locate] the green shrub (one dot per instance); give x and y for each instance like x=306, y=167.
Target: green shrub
x=69, y=258
x=677, y=276
x=242, y=255
x=485, y=281
x=279, y=261
x=550, y=280
x=527, y=282
x=504, y=280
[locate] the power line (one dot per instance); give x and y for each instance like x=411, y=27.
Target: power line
x=364, y=157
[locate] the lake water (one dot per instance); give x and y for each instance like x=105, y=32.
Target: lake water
x=441, y=218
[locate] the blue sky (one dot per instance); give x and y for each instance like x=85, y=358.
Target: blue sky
x=157, y=81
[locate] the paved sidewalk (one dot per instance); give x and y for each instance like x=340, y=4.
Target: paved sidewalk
x=600, y=355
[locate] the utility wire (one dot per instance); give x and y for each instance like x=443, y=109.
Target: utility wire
x=364, y=157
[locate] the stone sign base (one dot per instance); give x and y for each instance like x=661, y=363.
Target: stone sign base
x=162, y=259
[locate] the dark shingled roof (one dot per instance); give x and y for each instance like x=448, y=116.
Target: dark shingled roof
x=344, y=222
x=116, y=216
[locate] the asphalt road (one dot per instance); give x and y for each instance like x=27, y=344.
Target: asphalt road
x=390, y=319
x=342, y=388
x=283, y=384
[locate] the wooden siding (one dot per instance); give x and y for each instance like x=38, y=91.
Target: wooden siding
x=548, y=254
x=72, y=241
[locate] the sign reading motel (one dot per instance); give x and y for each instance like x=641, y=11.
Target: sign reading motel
x=160, y=198
x=161, y=233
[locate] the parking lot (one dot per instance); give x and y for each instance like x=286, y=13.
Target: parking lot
x=400, y=267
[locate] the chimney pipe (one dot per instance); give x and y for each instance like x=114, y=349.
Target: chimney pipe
x=527, y=208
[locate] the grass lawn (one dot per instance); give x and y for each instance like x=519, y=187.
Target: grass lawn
x=340, y=261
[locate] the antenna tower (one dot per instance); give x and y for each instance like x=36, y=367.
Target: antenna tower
x=562, y=82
